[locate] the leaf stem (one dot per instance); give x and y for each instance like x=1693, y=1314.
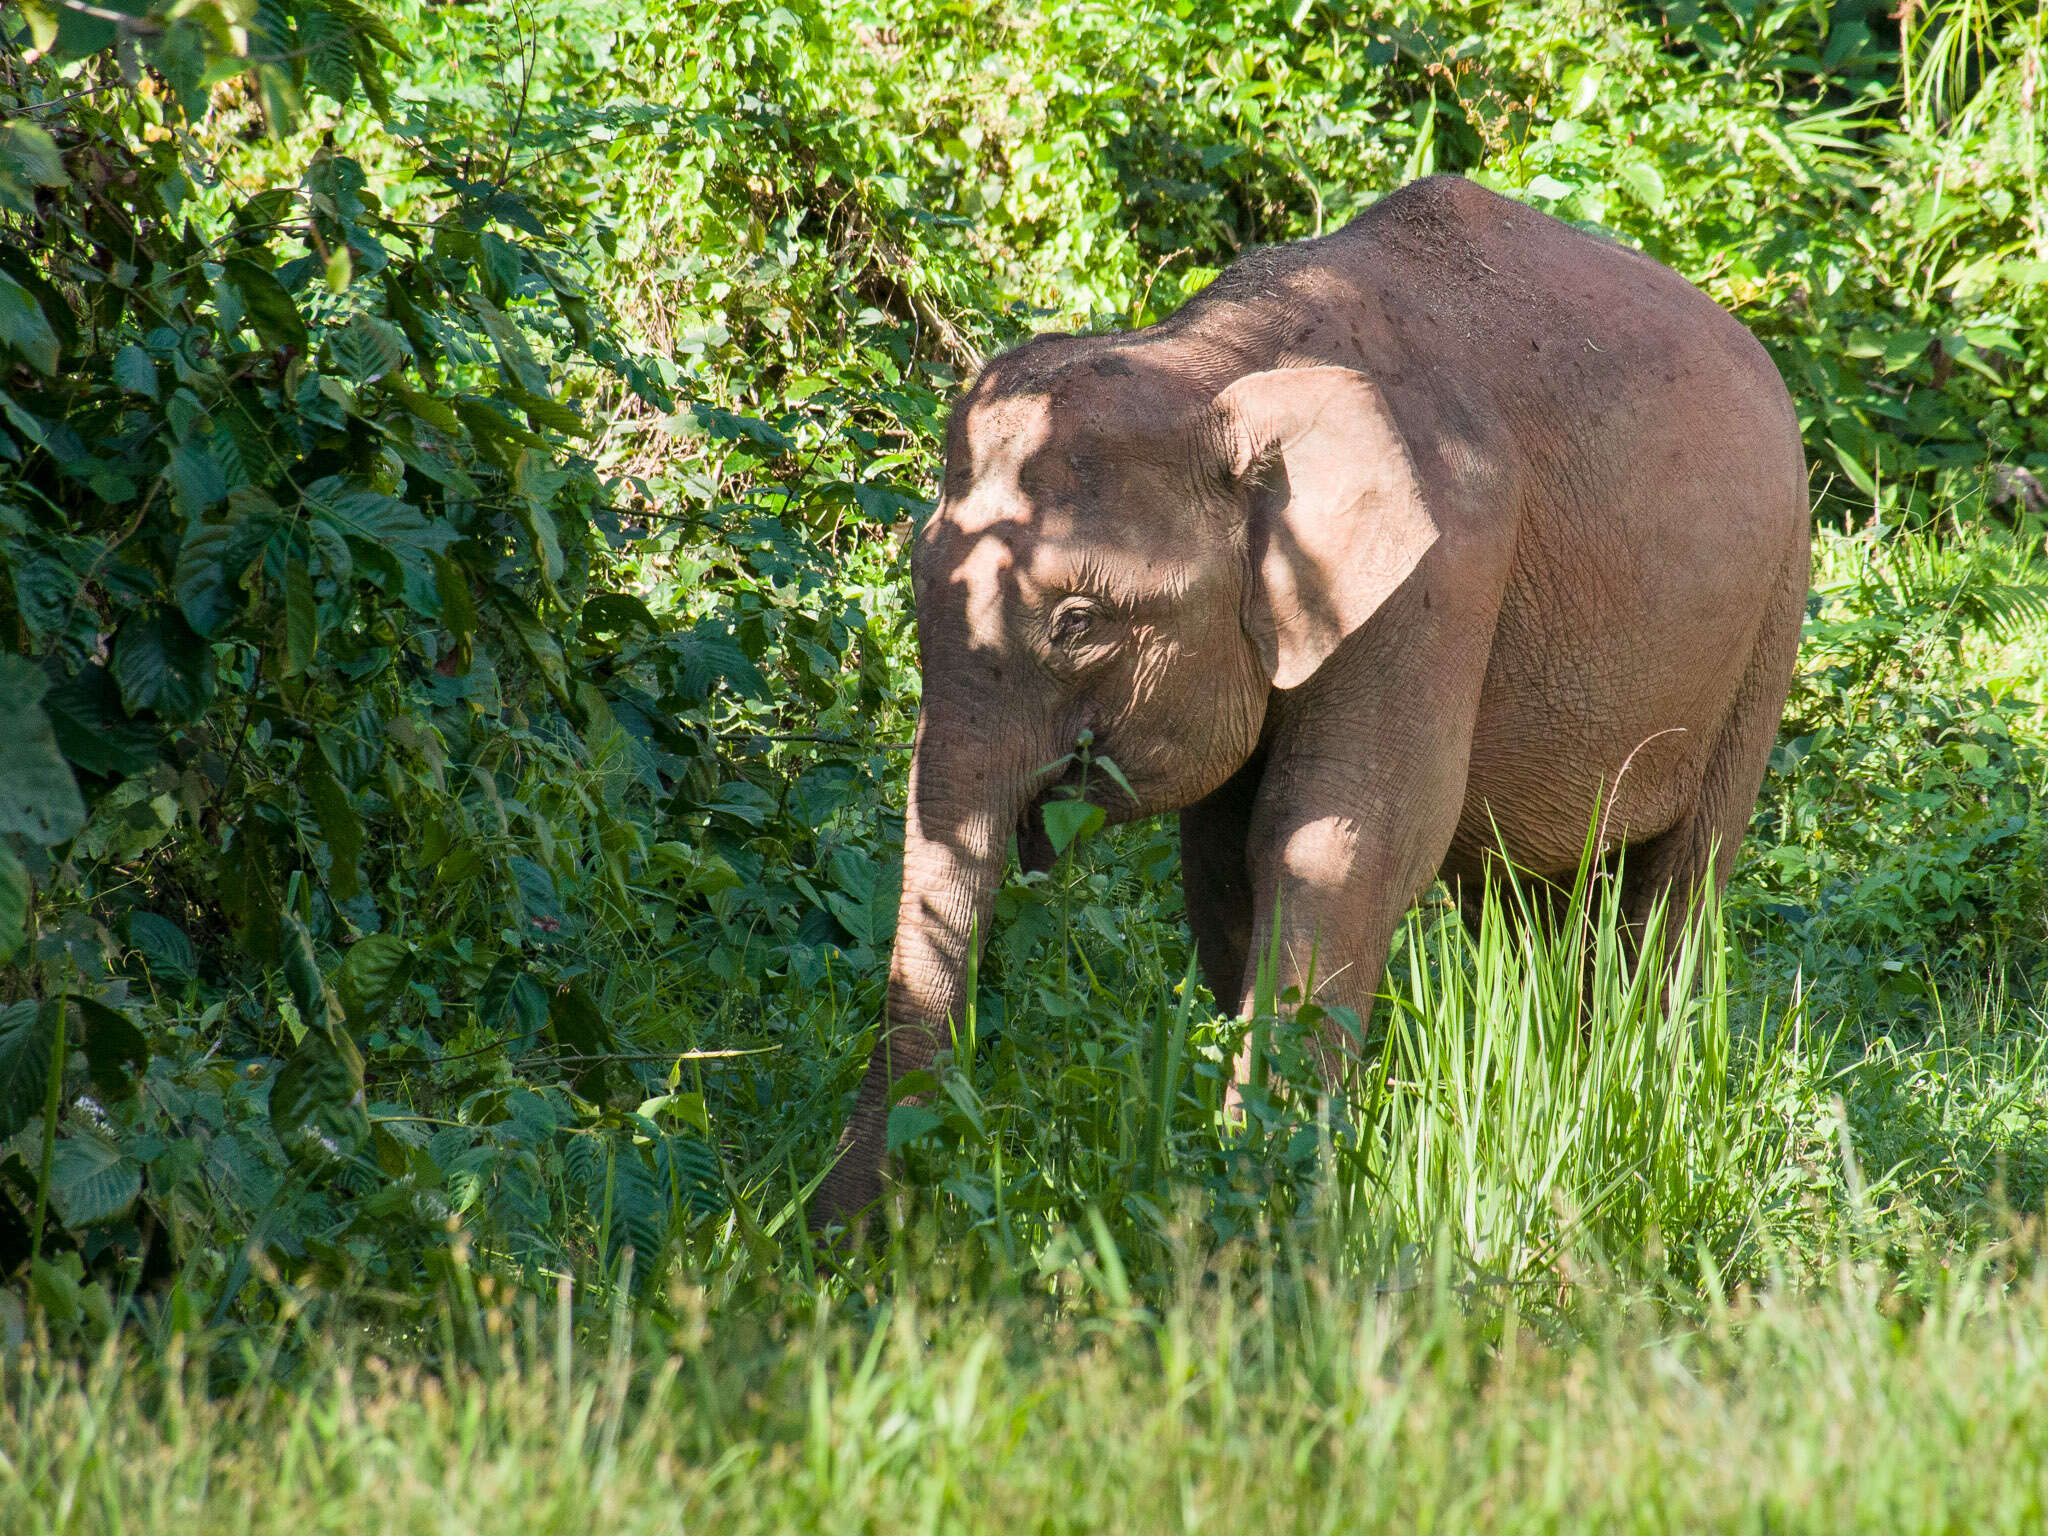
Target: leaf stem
x=53, y=1099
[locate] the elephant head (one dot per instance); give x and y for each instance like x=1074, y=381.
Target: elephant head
x=1125, y=547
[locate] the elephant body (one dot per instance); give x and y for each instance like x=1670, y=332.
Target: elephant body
x=1389, y=552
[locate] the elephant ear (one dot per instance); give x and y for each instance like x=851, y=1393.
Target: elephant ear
x=1337, y=515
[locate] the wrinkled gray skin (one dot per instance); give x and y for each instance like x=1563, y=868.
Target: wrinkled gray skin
x=1386, y=545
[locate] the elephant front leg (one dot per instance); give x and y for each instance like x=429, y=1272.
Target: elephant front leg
x=1349, y=829
x=1216, y=880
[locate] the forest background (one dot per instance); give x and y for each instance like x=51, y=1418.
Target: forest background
x=456, y=464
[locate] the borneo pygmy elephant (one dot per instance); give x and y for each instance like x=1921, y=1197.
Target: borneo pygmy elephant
x=1391, y=552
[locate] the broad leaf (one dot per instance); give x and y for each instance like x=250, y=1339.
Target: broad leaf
x=367, y=349
x=209, y=592
x=134, y=371
x=340, y=826
x=92, y=1182
x=316, y=1102
x=25, y=328
x=116, y=1052
x=39, y=798
x=373, y=976
x=163, y=946
x=302, y=974
x=161, y=665
x=907, y=1122
x=27, y=1031
x=512, y=1000
x=270, y=309
x=1068, y=821
x=301, y=618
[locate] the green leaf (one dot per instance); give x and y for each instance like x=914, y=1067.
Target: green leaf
x=302, y=974
x=1641, y=178
x=1068, y=821
x=197, y=479
x=116, y=1052
x=578, y=1022
x=537, y=896
x=161, y=665
x=27, y=1031
x=340, y=827
x=907, y=1122
x=209, y=593
x=376, y=520
x=1904, y=348
x=731, y=427
x=705, y=655
x=301, y=618
x=39, y=797
x=513, y=1001
x=501, y=267
x=93, y=732
x=580, y=1027
x=134, y=371
x=543, y=413
x=373, y=976
x=24, y=327
x=458, y=609
x=316, y=1102
x=32, y=155
x=14, y=891
x=163, y=946
x=247, y=882
x=92, y=1182
x=272, y=313
x=1852, y=466
x=367, y=349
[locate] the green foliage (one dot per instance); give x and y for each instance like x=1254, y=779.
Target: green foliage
x=1902, y=830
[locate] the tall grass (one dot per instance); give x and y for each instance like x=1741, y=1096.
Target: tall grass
x=1351, y=1411
x=1540, y=1099
x=1557, y=1096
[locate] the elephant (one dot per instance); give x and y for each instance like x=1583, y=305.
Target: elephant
x=1389, y=554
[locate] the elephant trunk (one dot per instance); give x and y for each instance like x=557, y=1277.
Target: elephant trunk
x=956, y=829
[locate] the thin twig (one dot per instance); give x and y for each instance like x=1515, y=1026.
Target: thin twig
x=833, y=741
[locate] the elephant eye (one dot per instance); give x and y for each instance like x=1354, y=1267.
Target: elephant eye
x=1070, y=625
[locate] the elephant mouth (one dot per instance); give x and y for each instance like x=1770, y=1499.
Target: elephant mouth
x=1034, y=847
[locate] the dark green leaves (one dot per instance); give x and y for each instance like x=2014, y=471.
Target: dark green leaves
x=377, y=525
x=204, y=581
x=1069, y=820
x=160, y=665
x=373, y=977
x=24, y=328
x=316, y=1101
x=367, y=349
x=500, y=267
x=29, y=158
x=38, y=797
x=513, y=1001
x=269, y=308
x=340, y=826
x=116, y=1052
x=28, y=1029
x=134, y=371
x=92, y=1182
x=163, y=945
